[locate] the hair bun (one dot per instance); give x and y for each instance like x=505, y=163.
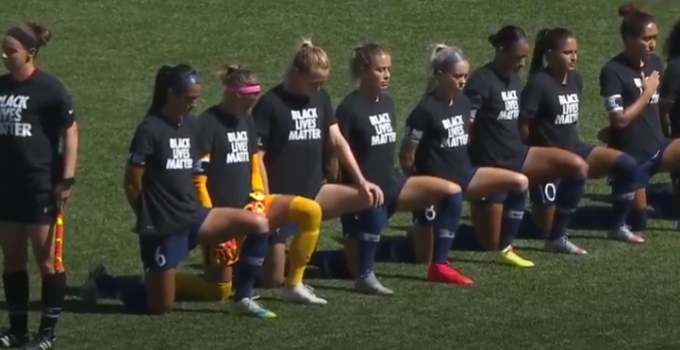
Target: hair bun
x=305, y=42
x=41, y=32
x=230, y=68
x=628, y=9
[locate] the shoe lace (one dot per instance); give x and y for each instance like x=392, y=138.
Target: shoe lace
x=308, y=288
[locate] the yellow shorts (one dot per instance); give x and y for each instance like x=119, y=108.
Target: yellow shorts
x=226, y=253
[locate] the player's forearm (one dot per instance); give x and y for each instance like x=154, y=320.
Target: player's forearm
x=70, y=151
x=347, y=159
x=131, y=195
x=633, y=111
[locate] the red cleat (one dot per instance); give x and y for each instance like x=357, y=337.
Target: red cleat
x=445, y=273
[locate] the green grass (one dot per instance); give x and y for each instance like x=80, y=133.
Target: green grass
x=618, y=297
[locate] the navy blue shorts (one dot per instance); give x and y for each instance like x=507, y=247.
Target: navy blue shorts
x=283, y=233
x=167, y=251
x=373, y=220
x=651, y=166
x=517, y=163
x=426, y=216
x=545, y=193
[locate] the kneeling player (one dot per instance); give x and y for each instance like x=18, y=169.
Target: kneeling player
x=436, y=144
x=170, y=220
x=231, y=171
x=366, y=119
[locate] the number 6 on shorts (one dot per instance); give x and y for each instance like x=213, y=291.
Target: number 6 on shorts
x=160, y=258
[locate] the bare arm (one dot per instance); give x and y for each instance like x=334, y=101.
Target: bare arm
x=407, y=153
x=132, y=184
x=70, y=151
x=344, y=153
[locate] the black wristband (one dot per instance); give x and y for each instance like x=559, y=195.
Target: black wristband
x=69, y=181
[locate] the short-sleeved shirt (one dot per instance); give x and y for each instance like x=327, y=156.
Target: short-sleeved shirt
x=168, y=151
x=621, y=84
x=551, y=108
x=228, y=143
x=33, y=115
x=442, y=133
x=368, y=126
x=496, y=140
x=670, y=91
x=293, y=131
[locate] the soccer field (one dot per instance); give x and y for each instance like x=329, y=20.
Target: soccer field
x=617, y=297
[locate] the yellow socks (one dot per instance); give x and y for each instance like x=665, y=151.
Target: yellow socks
x=196, y=288
x=307, y=214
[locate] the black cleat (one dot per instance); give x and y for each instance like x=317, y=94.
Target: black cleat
x=9, y=339
x=41, y=342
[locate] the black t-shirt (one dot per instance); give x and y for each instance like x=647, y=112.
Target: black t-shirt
x=368, y=126
x=670, y=91
x=293, y=131
x=227, y=145
x=496, y=140
x=168, y=152
x=33, y=114
x=621, y=83
x=441, y=131
x=551, y=109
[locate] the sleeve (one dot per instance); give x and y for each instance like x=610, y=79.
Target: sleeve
x=475, y=90
x=263, y=114
x=579, y=81
x=142, y=146
x=202, y=166
x=416, y=124
x=530, y=99
x=670, y=83
x=256, y=176
x=611, y=90
x=63, y=107
x=343, y=117
x=328, y=109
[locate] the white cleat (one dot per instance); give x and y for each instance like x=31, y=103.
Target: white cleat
x=301, y=294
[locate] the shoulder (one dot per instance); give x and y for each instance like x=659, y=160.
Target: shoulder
x=387, y=100
x=148, y=127
x=349, y=103
x=324, y=95
x=207, y=115
x=656, y=62
x=674, y=64
x=270, y=96
x=479, y=78
x=611, y=66
x=425, y=106
x=51, y=82
x=538, y=79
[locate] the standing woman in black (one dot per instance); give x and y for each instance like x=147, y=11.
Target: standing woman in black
x=36, y=114
x=549, y=112
x=629, y=84
x=496, y=142
x=669, y=102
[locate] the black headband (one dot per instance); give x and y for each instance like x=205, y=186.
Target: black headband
x=26, y=40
